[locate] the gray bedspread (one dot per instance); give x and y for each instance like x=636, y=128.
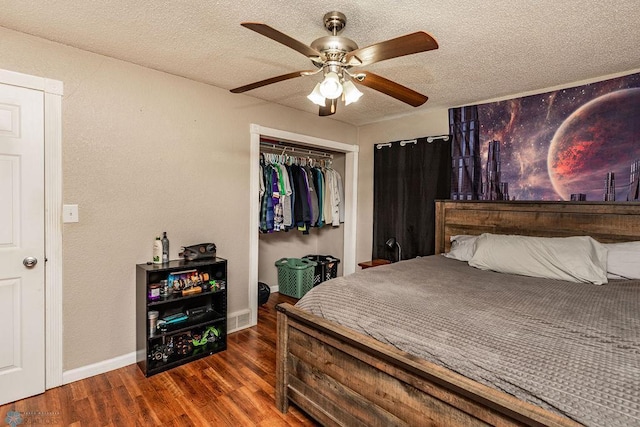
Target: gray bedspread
x=571, y=348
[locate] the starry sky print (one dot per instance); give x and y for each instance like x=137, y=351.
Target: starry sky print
x=596, y=129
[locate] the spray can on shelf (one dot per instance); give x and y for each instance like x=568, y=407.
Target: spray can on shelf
x=165, y=247
x=157, y=251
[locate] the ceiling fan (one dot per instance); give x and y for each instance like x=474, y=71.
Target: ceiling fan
x=334, y=56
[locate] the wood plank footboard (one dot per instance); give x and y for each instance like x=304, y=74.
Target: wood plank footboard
x=341, y=377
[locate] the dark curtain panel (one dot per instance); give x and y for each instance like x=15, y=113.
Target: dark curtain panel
x=408, y=178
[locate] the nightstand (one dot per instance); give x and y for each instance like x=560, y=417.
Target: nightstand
x=373, y=263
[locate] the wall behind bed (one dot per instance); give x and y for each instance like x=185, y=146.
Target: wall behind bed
x=430, y=121
x=577, y=143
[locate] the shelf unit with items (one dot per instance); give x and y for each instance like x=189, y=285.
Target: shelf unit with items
x=181, y=312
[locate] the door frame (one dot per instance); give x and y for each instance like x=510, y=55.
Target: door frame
x=53, y=91
x=350, y=193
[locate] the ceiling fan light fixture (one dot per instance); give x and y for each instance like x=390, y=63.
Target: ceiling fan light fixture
x=351, y=92
x=316, y=97
x=331, y=87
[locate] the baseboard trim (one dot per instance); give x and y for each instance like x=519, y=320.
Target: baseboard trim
x=235, y=322
x=87, y=371
x=274, y=289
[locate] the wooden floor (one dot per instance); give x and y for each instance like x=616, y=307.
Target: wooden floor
x=232, y=388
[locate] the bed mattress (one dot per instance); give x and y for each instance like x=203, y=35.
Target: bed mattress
x=571, y=348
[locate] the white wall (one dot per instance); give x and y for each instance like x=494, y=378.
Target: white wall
x=146, y=152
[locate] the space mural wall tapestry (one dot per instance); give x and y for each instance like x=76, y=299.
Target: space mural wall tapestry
x=581, y=143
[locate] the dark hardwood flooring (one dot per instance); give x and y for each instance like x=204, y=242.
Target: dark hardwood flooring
x=232, y=388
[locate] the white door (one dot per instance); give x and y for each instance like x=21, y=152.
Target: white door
x=22, y=358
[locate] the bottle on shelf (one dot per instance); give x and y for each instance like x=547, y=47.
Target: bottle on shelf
x=165, y=247
x=157, y=251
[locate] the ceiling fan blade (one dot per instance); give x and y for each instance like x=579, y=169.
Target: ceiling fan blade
x=282, y=38
x=393, y=48
x=268, y=81
x=392, y=89
x=329, y=107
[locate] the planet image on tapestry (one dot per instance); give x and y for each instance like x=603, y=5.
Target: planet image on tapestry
x=601, y=136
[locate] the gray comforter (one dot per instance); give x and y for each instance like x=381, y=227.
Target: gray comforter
x=571, y=348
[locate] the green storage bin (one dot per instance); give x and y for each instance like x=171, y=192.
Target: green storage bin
x=295, y=276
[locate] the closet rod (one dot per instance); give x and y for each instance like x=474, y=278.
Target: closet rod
x=285, y=149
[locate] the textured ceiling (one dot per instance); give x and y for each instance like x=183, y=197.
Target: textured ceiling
x=487, y=49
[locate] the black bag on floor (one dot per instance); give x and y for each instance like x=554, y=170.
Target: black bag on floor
x=263, y=293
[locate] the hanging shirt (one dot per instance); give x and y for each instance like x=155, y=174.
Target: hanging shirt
x=313, y=196
x=301, y=210
x=335, y=200
x=319, y=181
x=287, y=220
x=277, y=206
x=293, y=194
x=307, y=221
x=340, y=196
x=263, y=206
x=267, y=203
x=261, y=183
x=328, y=195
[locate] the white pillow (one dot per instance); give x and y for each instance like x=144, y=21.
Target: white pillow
x=575, y=259
x=623, y=260
x=462, y=247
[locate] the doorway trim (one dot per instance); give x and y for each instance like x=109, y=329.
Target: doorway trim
x=53, y=91
x=350, y=195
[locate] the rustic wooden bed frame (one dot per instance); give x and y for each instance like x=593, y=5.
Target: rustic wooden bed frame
x=341, y=377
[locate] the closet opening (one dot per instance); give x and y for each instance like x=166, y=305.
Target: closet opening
x=336, y=239
x=288, y=235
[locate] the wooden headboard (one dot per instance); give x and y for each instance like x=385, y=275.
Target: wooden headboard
x=605, y=222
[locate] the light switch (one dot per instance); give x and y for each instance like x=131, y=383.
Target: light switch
x=70, y=213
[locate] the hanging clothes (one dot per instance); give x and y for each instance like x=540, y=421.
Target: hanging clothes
x=285, y=196
x=267, y=213
x=340, y=197
x=276, y=199
x=296, y=194
x=313, y=196
x=318, y=179
x=333, y=197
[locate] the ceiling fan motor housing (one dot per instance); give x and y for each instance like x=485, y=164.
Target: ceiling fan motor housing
x=334, y=48
x=334, y=22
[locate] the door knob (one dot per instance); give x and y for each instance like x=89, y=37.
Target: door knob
x=30, y=261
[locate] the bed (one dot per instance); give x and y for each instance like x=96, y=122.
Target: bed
x=341, y=376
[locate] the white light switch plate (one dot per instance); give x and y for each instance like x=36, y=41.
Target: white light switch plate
x=70, y=213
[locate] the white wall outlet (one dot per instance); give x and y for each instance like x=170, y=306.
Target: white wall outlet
x=70, y=213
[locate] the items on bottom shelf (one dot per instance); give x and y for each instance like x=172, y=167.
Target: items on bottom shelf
x=210, y=334
x=184, y=345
